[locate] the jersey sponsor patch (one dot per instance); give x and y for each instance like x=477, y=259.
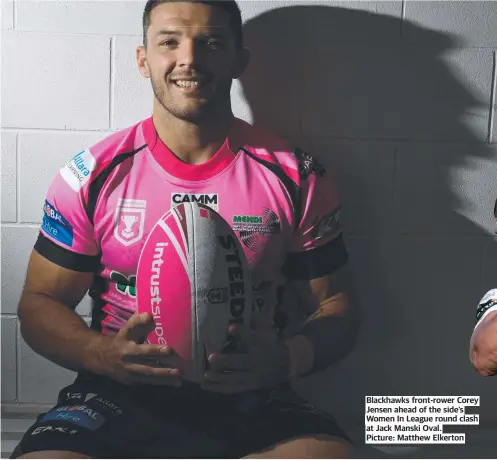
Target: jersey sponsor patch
x=209, y=199
x=108, y=406
x=124, y=285
x=129, y=220
x=78, y=415
x=327, y=225
x=253, y=228
x=56, y=225
x=53, y=429
x=308, y=164
x=74, y=397
x=77, y=171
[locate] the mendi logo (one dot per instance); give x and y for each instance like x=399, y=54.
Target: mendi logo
x=247, y=219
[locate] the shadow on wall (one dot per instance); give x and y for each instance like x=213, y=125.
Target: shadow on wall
x=375, y=99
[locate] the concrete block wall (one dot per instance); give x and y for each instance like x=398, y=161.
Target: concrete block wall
x=397, y=98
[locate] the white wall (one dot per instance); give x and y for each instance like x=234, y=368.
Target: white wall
x=395, y=96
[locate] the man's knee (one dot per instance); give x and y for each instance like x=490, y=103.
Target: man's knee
x=53, y=454
x=320, y=446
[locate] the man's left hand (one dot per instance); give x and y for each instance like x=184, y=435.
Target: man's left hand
x=259, y=360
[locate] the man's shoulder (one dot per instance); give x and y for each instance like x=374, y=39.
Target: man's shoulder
x=91, y=161
x=257, y=139
x=268, y=146
x=122, y=142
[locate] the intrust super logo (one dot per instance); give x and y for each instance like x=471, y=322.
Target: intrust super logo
x=155, y=299
x=209, y=199
x=77, y=171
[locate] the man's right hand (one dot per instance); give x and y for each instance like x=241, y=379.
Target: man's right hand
x=127, y=359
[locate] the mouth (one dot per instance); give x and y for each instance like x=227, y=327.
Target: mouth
x=191, y=85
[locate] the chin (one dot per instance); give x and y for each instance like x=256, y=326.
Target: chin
x=191, y=113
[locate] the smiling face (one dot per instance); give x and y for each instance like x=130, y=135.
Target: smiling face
x=191, y=57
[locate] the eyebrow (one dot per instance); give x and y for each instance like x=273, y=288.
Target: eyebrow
x=178, y=32
x=167, y=32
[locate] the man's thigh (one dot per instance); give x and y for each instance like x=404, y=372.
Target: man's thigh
x=109, y=420
x=319, y=446
x=283, y=425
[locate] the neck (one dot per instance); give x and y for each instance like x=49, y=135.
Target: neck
x=193, y=143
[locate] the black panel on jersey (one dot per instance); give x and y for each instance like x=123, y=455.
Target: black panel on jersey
x=65, y=258
x=97, y=313
x=292, y=188
x=97, y=185
x=317, y=262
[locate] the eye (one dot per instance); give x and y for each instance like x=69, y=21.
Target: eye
x=215, y=44
x=169, y=43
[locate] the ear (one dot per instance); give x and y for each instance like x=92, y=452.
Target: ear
x=141, y=59
x=242, y=61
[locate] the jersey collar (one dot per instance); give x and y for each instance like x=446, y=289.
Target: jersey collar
x=185, y=171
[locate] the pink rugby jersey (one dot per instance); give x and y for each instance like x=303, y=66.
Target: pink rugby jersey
x=280, y=202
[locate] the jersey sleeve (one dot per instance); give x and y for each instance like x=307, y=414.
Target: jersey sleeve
x=66, y=235
x=487, y=305
x=317, y=248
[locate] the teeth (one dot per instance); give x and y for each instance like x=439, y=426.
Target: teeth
x=186, y=83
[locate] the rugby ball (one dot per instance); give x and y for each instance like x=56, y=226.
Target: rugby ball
x=194, y=278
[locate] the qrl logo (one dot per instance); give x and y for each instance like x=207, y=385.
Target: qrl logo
x=129, y=221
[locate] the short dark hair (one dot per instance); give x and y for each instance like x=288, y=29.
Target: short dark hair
x=229, y=6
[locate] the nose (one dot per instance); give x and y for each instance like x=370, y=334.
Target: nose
x=187, y=53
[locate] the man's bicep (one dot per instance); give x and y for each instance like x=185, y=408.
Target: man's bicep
x=328, y=291
x=57, y=282
x=316, y=262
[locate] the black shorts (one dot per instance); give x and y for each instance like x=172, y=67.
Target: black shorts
x=104, y=419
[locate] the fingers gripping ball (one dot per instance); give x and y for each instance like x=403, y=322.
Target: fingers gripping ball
x=193, y=277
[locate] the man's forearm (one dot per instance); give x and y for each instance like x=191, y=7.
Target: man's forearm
x=325, y=337
x=58, y=333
